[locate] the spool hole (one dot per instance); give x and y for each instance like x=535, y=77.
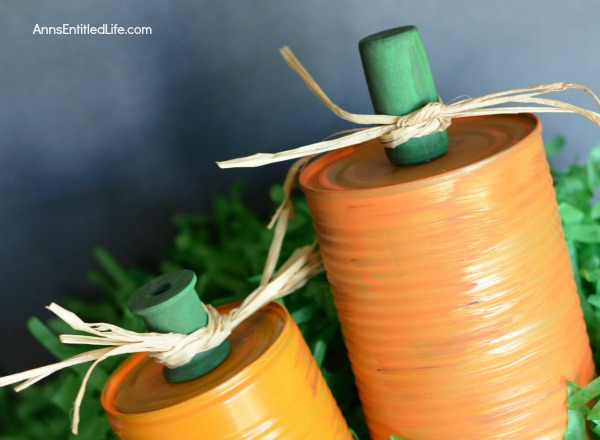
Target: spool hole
x=160, y=289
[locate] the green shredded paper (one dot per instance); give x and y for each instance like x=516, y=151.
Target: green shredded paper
x=227, y=249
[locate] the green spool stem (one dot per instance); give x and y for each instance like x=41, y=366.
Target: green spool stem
x=170, y=304
x=400, y=81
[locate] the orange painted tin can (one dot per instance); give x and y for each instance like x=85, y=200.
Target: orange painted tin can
x=269, y=387
x=453, y=285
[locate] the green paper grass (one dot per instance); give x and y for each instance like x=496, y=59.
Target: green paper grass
x=576, y=188
x=227, y=248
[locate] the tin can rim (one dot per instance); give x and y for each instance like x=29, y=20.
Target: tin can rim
x=128, y=365
x=312, y=176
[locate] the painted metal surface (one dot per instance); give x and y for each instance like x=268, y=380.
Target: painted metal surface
x=268, y=388
x=453, y=285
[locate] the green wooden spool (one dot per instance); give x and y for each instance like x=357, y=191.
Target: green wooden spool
x=400, y=81
x=170, y=304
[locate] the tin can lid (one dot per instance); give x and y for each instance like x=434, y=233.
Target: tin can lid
x=138, y=385
x=364, y=167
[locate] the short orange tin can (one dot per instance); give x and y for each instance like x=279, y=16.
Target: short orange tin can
x=453, y=285
x=268, y=387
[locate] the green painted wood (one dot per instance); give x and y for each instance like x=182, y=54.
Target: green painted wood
x=170, y=304
x=400, y=81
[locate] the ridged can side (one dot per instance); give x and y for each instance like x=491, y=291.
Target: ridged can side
x=270, y=387
x=453, y=285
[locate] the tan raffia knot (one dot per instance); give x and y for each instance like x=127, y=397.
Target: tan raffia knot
x=395, y=130
x=219, y=328
x=427, y=120
x=174, y=349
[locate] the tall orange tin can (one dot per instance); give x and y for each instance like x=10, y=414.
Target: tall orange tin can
x=269, y=387
x=453, y=285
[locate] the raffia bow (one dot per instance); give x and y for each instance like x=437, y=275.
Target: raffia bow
x=434, y=117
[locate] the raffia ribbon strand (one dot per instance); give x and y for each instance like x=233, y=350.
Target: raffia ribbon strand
x=434, y=117
x=173, y=349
